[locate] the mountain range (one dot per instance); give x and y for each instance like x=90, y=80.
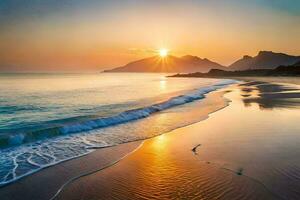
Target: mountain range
x=190, y=64
x=170, y=63
x=264, y=60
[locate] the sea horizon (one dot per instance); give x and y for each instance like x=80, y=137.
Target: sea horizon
x=153, y=100
x=40, y=118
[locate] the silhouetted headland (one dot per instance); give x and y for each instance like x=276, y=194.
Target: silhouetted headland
x=185, y=64
x=293, y=70
x=192, y=64
x=264, y=60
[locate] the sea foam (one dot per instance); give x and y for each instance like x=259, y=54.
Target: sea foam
x=37, y=153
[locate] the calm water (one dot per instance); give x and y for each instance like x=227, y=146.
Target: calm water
x=248, y=150
x=46, y=119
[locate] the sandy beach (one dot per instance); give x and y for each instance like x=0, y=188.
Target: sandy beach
x=247, y=150
x=149, y=100
x=56, y=176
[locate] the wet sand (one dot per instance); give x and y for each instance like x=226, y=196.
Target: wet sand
x=47, y=182
x=248, y=150
x=279, y=79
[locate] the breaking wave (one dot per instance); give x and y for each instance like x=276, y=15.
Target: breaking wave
x=25, y=153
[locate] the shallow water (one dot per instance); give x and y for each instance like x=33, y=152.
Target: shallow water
x=47, y=119
x=39, y=101
x=259, y=135
x=248, y=150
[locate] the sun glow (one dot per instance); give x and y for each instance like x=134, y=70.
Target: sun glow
x=163, y=52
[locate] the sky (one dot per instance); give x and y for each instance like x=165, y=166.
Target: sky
x=62, y=35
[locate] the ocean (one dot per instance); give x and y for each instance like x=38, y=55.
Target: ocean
x=46, y=119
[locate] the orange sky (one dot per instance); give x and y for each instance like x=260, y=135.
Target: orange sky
x=97, y=35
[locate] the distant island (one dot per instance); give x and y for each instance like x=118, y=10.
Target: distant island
x=193, y=64
x=291, y=70
x=184, y=64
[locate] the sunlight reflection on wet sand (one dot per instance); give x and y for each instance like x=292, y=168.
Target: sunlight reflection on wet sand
x=246, y=152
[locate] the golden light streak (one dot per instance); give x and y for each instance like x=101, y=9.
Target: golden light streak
x=163, y=52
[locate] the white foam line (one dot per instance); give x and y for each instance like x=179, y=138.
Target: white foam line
x=115, y=162
x=30, y=161
x=2, y=184
x=135, y=114
x=217, y=86
x=93, y=171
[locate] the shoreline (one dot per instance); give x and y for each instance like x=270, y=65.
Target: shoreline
x=82, y=147
x=59, y=174
x=118, y=152
x=201, y=160
x=76, y=173
x=280, y=80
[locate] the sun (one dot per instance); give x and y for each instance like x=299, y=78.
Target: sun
x=163, y=52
